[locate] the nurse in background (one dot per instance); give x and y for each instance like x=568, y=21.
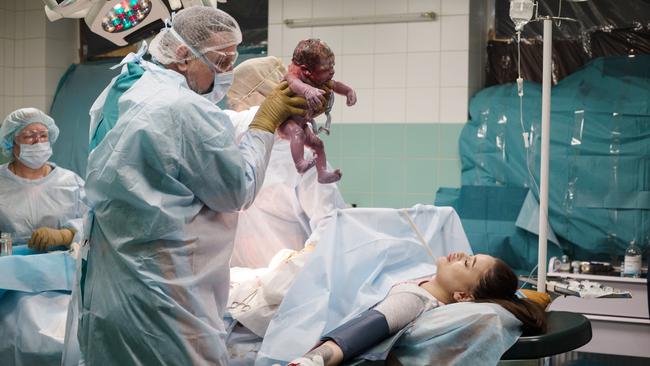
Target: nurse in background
x=290, y=209
x=40, y=203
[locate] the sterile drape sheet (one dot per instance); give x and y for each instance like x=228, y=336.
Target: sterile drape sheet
x=361, y=254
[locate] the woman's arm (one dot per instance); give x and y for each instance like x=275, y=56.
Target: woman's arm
x=404, y=303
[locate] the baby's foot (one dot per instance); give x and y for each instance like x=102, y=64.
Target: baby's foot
x=304, y=165
x=329, y=177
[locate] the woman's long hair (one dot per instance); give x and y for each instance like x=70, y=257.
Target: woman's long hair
x=498, y=285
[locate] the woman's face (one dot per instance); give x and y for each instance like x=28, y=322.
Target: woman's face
x=459, y=272
x=31, y=134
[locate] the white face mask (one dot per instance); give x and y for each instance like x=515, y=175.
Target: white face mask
x=36, y=155
x=222, y=83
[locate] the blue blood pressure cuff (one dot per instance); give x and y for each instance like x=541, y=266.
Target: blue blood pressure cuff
x=359, y=334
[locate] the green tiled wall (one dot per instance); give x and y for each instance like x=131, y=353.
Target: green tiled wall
x=394, y=165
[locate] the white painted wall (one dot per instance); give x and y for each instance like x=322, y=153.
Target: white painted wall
x=35, y=53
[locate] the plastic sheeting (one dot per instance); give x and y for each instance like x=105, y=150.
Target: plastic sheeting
x=36, y=273
x=603, y=28
x=34, y=297
x=459, y=334
x=32, y=327
x=568, y=55
x=599, y=181
x=591, y=16
x=489, y=215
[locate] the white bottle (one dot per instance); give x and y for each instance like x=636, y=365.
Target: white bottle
x=632, y=263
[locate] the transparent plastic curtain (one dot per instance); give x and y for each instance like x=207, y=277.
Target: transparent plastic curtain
x=602, y=28
x=600, y=152
x=592, y=16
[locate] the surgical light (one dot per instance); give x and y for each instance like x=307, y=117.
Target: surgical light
x=120, y=21
x=125, y=15
x=57, y=9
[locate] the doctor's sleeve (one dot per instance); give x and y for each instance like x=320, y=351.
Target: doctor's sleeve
x=223, y=175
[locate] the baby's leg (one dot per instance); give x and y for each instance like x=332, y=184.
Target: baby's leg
x=316, y=144
x=296, y=135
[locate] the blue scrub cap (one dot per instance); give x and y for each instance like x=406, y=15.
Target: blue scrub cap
x=21, y=118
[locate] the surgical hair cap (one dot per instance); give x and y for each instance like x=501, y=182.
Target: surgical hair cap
x=204, y=29
x=21, y=118
x=261, y=74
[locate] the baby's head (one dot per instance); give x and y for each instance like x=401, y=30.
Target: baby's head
x=315, y=59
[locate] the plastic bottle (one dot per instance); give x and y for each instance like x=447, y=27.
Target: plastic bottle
x=5, y=244
x=632, y=262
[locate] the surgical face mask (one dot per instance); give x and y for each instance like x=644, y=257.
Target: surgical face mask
x=36, y=155
x=220, y=86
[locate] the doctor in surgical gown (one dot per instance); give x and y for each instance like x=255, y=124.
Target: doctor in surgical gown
x=165, y=183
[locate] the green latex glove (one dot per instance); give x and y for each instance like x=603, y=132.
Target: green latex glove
x=277, y=107
x=45, y=237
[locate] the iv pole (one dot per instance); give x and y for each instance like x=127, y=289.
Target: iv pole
x=546, y=130
x=547, y=42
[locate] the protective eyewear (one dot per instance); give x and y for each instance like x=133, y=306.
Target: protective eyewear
x=32, y=137
x=224, y=61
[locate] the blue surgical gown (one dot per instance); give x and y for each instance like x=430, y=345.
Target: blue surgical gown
x=164, y=185
x=55, y=201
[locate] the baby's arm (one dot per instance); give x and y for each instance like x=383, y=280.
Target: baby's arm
x=312, y=94
x=342, y=89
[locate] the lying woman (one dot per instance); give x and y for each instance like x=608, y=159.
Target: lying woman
x=459, y=278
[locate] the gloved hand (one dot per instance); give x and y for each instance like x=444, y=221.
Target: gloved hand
x=277, y=107
x=45, y=237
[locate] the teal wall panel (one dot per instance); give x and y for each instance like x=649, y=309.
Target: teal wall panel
x=394, y=165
